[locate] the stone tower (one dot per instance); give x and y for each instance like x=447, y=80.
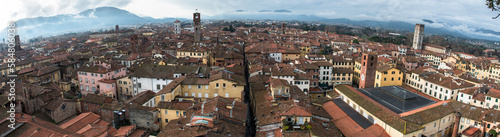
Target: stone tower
x=368, y=70
x=177, y=27
x=133, y=43
x=197, y=26
x=17, y=45
x=418, y=36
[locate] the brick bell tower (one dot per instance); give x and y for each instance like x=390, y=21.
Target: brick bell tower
x=368, y=70
x=197, y=26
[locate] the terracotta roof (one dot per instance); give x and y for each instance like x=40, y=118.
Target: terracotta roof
x=448, y=82
x=297, y=111
x=37, y=127
x=80, y=121
x=494, y=93
x=95, y=99
x=471, y=131
x=141, y=98
x=378, y=110
x=171, y=86
x=124, y=131
x=470, y=91
x=174, y=105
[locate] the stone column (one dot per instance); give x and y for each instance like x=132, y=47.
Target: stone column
x=457, y=124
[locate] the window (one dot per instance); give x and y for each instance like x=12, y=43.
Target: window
x=139, y=84
x=217, y=85
x=158, y=86
x=166, y=112
x=189, y=86
x=177, y=113
x=215, y=95
x=206, y=95
x=223, y=85
x=193, y=94
x=162, y=97
x=206, y=87
x=199, y=95
x=166, y=121
x=199, y=86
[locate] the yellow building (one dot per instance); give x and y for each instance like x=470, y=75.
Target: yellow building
x=172, y=110
x=357, y=70
x=124, y=88
x=388, y=76
x=304, y=48
x=221, y=84
x=290, y=55
x=194, y=52
x=279, y=88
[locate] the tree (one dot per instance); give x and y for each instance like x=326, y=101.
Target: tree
x=355, y=41
x=493, y=133
x=494, y=5
x=306, y=28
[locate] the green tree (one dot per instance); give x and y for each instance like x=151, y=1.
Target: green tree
x=494, y=5
x=306, y=28
x=355, y=41
x=493, y=133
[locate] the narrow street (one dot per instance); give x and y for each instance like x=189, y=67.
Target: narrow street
x=250, y=126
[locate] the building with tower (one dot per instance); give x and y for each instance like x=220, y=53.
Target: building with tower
x=367, y=70
x=197, y=26
x=177, y=27
x=418, y=36
x=17, y=45
x=133, y=43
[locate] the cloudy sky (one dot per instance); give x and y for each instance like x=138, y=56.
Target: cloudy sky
x=456, y=14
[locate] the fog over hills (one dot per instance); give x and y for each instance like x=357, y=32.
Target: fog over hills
x=107, y=17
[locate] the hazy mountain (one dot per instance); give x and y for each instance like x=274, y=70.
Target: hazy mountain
x=394, y=25
x=267, y=15
x=103, y=17
x=90, y=19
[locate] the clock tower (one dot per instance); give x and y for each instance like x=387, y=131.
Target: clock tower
x=196, y=26
x=368, y=70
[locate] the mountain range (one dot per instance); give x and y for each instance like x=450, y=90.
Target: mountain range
x=107, y=17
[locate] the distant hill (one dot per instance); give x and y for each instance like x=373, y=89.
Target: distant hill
x=102, y=17
x=90, y=19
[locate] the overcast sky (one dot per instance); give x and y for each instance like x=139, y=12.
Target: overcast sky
x=457, y=14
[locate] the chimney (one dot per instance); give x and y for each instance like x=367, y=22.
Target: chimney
x=484, y=128
x=456, y=125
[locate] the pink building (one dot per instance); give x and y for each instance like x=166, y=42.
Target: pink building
x=95, y=77
x=107, y=87
x=411, y=63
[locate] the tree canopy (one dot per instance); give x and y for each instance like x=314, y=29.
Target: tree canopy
x=494, y=5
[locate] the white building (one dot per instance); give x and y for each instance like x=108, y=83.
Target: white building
x=276, y=56
x=177, y=27
x=418, y=36
x=325, y=72
x=144, y=83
